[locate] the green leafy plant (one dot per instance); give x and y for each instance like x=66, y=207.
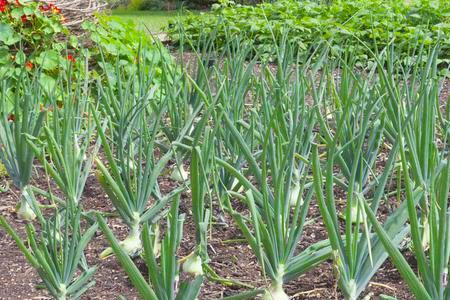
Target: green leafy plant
x=121, y=42
x=353, y=121
x=130, y=185
x=433, y=267
x=422, y=120
x=276, y=230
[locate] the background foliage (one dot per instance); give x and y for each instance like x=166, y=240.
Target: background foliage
x=343, y=23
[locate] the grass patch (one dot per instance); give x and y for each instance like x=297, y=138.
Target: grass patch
x=155, y=21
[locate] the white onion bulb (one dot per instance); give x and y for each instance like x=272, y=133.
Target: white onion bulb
x=275, y=292
x=193, y=265
x=362, y=213
x=294, y=196
x=132, y=246
x=179, y=174
x=25, y=212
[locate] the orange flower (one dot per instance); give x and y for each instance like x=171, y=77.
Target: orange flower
x=29, y=65
x=71, y=58
x=56, y=10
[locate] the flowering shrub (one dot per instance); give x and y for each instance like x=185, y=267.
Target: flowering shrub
x=33, y=37
x=28, y=32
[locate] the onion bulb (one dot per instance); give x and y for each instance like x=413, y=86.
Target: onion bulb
x=132, y=246
x=275, y=292
x=179, y=174
x=355, y=208
x=193, y=265
x=157, y=243
x=294, y=196
x=77, y=148
x=426, y=233
x=62, y=290
x=24, y=210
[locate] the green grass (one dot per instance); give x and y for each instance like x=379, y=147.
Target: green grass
x=154, y=21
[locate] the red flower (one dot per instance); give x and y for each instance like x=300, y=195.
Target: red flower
x=49, y=7
x=18, y=3
x=3, y=5
x=24, y=19
x=71, y=58
x=29, y=65
x=44, y=7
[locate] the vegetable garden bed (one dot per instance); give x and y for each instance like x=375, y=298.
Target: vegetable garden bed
x=318, y=173
x=231, y=258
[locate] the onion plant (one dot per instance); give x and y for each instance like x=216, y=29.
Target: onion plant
x=432, y=279
x=163, y=276
x=57, y=252
x=282, y=128
x=237, y=81
x=189, y=90
x=130, y=143
x=421, y=183
x=355, y=105
x=201, y=167
x=416, y=99
x=66, y=154
x=21, y=115
x=357, y=254
x=351, y=144
x=123, y=98
x=276, y=228
x=132, y=181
